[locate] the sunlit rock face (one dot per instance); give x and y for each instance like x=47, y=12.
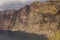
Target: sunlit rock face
x=38, y=17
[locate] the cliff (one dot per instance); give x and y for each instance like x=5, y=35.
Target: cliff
x=38, y=17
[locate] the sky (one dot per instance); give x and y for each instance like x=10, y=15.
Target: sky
x=14, y=4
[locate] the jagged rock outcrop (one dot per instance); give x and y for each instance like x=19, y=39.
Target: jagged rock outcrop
x=39, y=17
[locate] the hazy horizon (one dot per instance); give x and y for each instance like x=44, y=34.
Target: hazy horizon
x=15, y=4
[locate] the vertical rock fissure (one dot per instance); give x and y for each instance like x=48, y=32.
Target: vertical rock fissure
x=27, y=14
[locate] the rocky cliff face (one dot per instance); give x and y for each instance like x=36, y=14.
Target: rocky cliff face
x=39, y=17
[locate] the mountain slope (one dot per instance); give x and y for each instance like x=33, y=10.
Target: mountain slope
x=38, y=17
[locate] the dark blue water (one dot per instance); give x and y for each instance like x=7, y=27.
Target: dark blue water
x=9, y=35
